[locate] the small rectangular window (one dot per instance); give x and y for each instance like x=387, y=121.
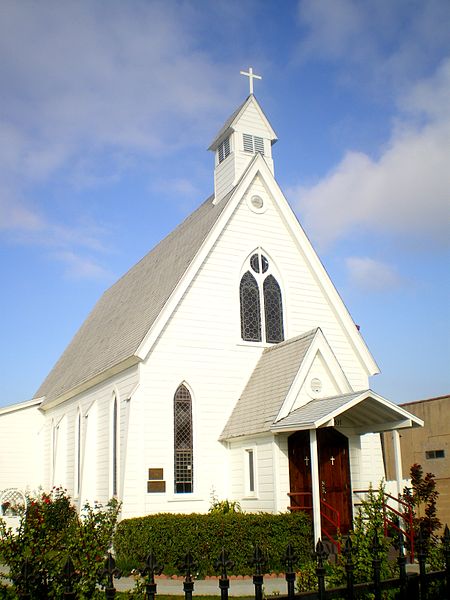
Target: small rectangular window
x=251, y=471
x=434, y=454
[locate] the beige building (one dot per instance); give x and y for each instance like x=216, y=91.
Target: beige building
x=428, y=446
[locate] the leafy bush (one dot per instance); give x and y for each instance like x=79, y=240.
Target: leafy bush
x=50, y=531
x=170, y=536
x=222, y=507
x=368, y=523
x=421, y=498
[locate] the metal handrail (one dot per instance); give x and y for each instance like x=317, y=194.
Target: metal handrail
x=336, y=523
x=406, y=516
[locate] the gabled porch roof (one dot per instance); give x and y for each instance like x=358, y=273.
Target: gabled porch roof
x=360, y=412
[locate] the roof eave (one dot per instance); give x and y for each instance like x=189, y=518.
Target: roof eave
x=49, y=403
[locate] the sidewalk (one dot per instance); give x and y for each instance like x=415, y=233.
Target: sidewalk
x=202, y=587
x=209, y=587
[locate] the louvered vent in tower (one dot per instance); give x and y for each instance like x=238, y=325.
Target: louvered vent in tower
x=224, y=150
x=253, y=143
x=259, y=144
x=248, y=142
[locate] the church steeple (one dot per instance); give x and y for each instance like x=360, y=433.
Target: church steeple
x=246, y=133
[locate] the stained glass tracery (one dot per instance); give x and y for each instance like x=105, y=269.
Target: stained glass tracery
x=252, y=300
x=183, y=451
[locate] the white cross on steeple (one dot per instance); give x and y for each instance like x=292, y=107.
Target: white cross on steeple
x=251, y=76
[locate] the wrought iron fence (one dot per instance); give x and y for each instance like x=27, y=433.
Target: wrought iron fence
x=420, y=585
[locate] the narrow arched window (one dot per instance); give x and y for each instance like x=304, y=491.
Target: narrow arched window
x=115, y=427
x=250, y=309
x=78, y=454
x=183, y=445
x=273, y=310
x=261, y=302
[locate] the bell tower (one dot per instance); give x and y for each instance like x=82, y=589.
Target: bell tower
x=246, y=133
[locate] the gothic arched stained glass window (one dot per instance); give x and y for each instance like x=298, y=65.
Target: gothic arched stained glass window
x=250, y=309
x=183, y=451
x=273, y=310
x=260, y=294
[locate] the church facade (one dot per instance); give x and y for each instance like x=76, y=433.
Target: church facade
x=223, y=364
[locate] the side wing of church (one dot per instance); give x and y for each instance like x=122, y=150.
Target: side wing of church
x=223, y=364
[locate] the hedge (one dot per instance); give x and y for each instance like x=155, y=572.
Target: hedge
x=170, y=536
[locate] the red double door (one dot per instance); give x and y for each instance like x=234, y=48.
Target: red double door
x=334, y=476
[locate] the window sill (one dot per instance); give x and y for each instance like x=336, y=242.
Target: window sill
x=187, y=497
x=254, y=344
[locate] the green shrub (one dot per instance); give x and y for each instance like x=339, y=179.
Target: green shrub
x=170, y=536
x=367, y=524
x=50, y=531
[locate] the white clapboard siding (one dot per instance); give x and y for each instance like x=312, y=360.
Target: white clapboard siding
x=201, y=345
x=225, y=176
x=263, y=497
x=95, y=406
x=22, y=447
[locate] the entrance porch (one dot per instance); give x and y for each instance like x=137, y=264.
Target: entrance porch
x=320, y=469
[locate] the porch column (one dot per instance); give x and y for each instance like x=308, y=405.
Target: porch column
x=315, y=485
x=397, y=460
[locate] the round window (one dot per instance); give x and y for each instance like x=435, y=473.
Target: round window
x=257, y=202
x=316, y=385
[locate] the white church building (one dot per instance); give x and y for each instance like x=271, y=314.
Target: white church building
x=223, y=363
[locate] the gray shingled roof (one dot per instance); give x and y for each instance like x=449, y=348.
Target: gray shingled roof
x=267, y=388
x=124, y=314
x=315, y=410
x=368, y=413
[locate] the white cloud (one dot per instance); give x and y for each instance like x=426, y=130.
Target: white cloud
x=405, y=191
x=80, y=267
x=385, y=42
x=74, y=75
x=371, y=275
x=83, y=90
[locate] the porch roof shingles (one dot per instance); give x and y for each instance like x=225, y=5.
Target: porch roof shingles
x=267, y=388
x=125, y=313
x=315, y=410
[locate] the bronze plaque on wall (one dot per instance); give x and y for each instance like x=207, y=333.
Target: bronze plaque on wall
x=156, y=486
x=156, y=474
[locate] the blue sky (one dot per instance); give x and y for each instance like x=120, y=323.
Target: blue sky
x=106, y=111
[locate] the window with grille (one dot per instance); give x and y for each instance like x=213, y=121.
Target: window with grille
x=250, y=309
x=261, y=303
x=183, y=447
x=223, y=150
x=273, y=310
x=253, y=143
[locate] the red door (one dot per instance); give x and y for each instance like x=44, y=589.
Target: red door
x=300, y=471
x=334, y=476
x=334, y=479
